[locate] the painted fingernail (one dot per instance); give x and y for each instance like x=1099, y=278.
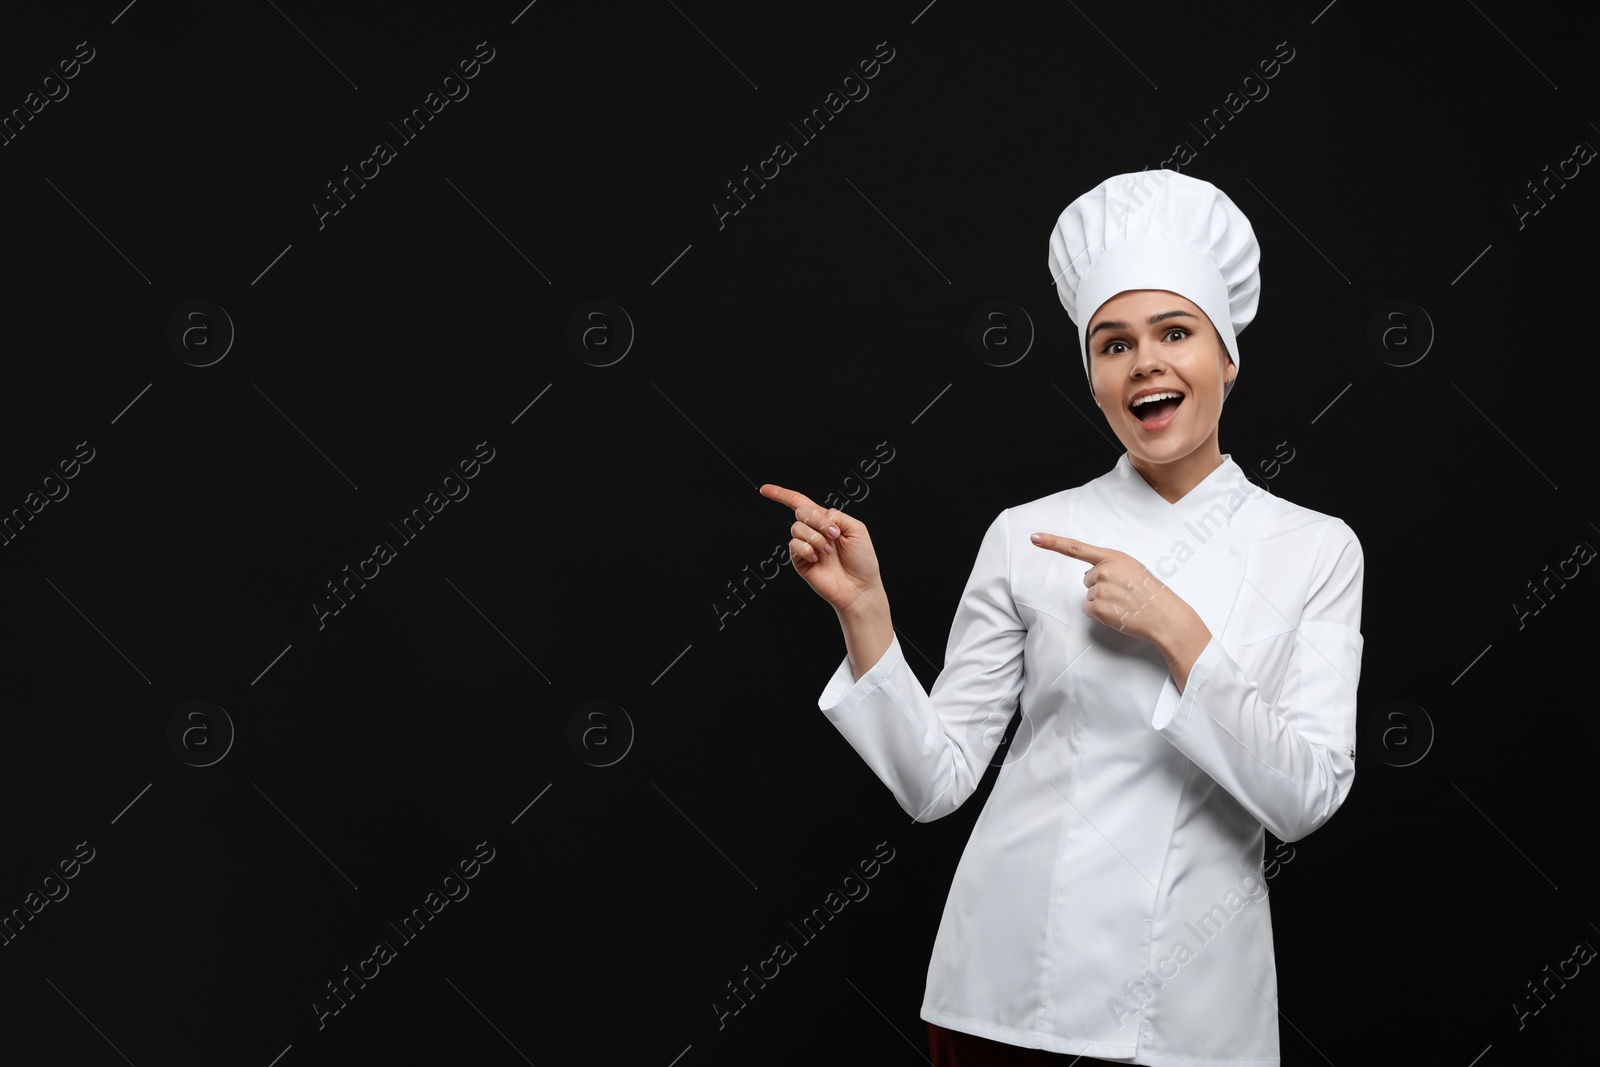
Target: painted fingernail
x=833, y=530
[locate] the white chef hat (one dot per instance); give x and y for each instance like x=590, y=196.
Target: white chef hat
x=1157, y=229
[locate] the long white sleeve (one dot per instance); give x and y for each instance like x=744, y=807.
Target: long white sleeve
x=1289, y=763
x=931, y=747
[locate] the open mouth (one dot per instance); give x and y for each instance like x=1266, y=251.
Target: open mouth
x=1157, y=409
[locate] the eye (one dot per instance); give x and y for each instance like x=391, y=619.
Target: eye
x=1178, y=330
x=1106, y=349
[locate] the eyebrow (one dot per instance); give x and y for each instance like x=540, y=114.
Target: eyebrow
x=1151, y=321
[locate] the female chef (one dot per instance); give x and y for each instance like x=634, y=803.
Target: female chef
x=1185, y=648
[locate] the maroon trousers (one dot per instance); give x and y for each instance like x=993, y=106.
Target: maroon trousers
x=952, y=1048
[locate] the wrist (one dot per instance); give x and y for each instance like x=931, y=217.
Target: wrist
x=1182, y=646
x=870, y=603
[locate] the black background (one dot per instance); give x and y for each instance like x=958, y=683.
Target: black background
x=591, y=559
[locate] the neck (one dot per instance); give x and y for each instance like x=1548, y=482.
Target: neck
x=1174, y=480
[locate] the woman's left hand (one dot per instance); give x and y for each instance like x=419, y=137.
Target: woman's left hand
x=1122, y=593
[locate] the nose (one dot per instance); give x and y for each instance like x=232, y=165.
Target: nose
x=1147, y=363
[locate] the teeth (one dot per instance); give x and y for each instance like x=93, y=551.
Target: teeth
x=1156, y=396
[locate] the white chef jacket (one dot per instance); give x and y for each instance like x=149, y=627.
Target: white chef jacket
x=1110, y=901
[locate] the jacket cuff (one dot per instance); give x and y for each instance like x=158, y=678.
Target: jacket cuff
x=1173, y=707
x=844, y=691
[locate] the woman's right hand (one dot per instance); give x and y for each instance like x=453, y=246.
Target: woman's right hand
x=838, y=566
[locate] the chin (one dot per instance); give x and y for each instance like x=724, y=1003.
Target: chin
x=1172, y=448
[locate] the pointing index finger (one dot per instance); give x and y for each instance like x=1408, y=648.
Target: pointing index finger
x=1067, y=546
x=801, y=504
